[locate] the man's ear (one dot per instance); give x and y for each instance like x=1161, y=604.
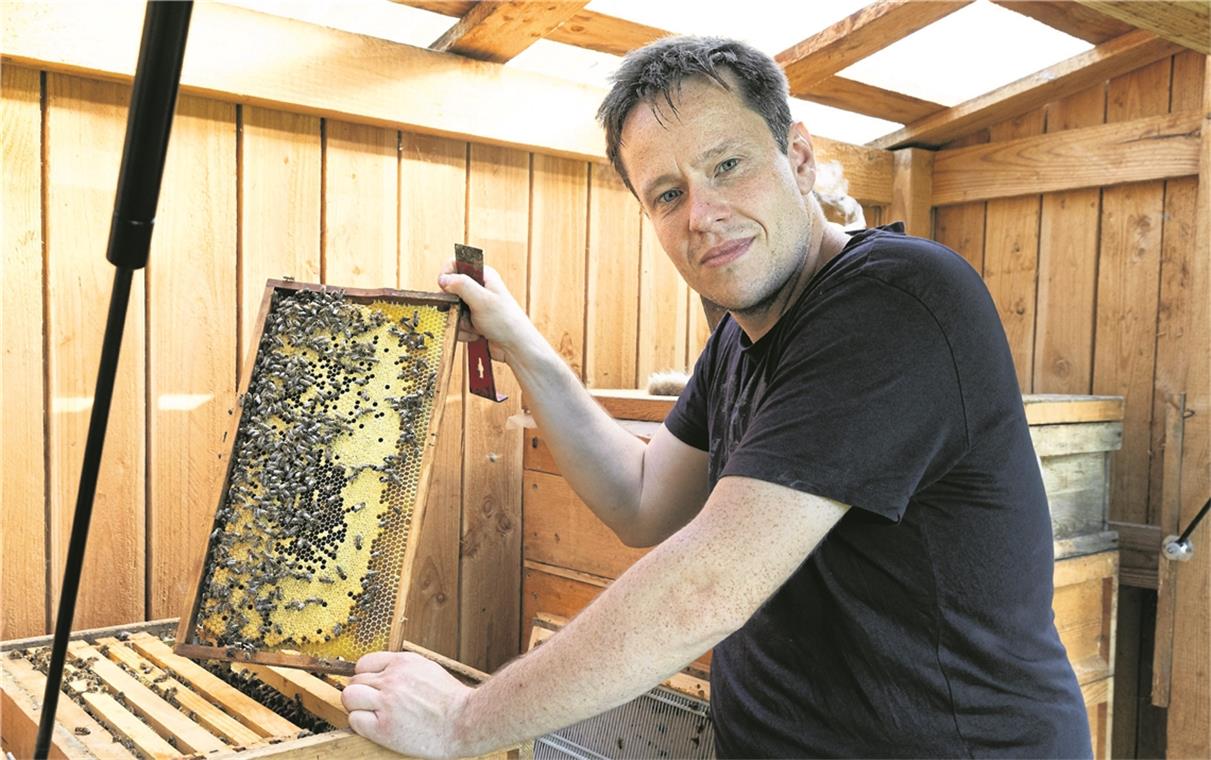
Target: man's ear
x=802, y=157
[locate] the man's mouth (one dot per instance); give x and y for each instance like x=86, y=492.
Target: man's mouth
x=725, y=253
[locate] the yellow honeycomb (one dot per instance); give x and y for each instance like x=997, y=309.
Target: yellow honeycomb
x=308, y=546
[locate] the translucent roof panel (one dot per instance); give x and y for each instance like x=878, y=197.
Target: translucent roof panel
x=374, y=18
x=567, y=62
x=769, y=25
x=838, y=124
x=974, y=50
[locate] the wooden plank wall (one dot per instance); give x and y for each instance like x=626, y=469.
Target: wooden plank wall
x=1094, y=287
x=251, y=193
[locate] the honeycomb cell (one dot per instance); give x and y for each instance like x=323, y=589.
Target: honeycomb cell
x=309, y=542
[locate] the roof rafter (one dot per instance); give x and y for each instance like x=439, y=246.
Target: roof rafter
x=857, y=36
x=1070, y=18
x=498, y=30
x=1105, y=61
x=617, y=36
x=1186, y=22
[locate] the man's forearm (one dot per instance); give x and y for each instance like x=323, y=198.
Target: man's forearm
x=601, y=461
x=646, y=626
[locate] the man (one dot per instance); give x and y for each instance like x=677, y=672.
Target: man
x=845, y=501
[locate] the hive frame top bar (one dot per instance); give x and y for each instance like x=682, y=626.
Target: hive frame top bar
x=187, y=640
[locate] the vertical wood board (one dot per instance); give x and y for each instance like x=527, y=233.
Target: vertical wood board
x=498, y=221
x=191, y=345
x=85, y=128
x=22, y=398
x=1068, y=265
x=558, y=242
x=612, y=320
x=961, y=229
x=279, y=206
x=433, y=190
x=361, y=169
x=663, y=309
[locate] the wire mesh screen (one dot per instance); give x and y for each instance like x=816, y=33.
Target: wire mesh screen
x=659, y=724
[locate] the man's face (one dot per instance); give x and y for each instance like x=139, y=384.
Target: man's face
x=728, y=206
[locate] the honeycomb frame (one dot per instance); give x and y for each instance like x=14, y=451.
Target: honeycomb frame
x=293, y=526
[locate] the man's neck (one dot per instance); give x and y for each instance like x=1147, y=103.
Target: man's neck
x=827, y=240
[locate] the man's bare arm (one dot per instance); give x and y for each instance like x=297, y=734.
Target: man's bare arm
x=642, y=492
x=682, y=598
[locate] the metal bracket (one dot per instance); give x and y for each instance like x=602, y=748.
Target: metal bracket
x=1177, y=550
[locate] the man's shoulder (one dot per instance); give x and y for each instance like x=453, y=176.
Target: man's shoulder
x=889, y=256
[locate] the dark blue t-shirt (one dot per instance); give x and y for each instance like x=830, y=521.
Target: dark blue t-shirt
x=922, y=624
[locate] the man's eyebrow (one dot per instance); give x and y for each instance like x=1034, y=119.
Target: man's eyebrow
x=723, y=148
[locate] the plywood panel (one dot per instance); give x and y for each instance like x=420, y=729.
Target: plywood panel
x=663, y=309
x=360, y=205
x=192, y=345
x=22, y=397
x=1068, y=264
x=490, y=590
x=85, y=127
x=611, y=320
x=1128, y=272
x=433, y=192
x=280, y=206
x=557, y=268
x=1011, y=238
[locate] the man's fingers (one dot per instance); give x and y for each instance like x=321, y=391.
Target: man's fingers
x=364, y=723
x=374, y=662
x=359, y=696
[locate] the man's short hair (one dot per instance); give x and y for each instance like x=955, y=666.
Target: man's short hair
x=658, y=69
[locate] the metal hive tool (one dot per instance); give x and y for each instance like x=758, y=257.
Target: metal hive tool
x=311, y=546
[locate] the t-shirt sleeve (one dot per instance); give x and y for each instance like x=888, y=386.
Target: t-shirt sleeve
x=863, y=406
x=687, y=420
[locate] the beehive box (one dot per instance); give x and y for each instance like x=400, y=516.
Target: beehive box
x=127, y=695
x=313, y=536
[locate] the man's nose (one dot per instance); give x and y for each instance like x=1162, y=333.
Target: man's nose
x=707, y=208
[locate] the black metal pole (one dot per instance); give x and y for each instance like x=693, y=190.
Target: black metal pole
x=149, y=122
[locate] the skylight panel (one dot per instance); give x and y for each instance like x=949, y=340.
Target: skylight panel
x=970, y=52
x=374, y=18
x=838, y=124
x=567, y=62
x=768, y=25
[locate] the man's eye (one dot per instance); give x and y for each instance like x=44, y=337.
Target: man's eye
x=727, y=165
x=668, y=196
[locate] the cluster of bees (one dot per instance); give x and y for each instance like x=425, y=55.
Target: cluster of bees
x=308, y=544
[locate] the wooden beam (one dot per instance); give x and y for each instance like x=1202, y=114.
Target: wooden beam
x=255, y=58
x=1070, y=18
x=1110, y=59
x=855, y=37
x=1186, y=22
x=912, y=189
x=617, y=36
x=499, y=30
x=1154, y=147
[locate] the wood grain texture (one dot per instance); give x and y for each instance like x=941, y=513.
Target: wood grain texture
x=557, y=270
x=1155, y=147
x=855, y=37
x=611, y=317
x=23, y=687
x=191, y=354
x=697, y=331
x=1128, y=282
x=1011, y=256
x=663, y=309
x=565, y=594
x=1186, y=22
x=1189, y=731
x=279, y=206
x=961, y=229
x=1069, y=17
x=22, y=395
x=433, y=217
x=1110, y=59
x=85, y=127
x=1068, y=241
x=361, y=170
x=499, y=30
x=912, y=190
x=560, y=529
x=490, y=592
